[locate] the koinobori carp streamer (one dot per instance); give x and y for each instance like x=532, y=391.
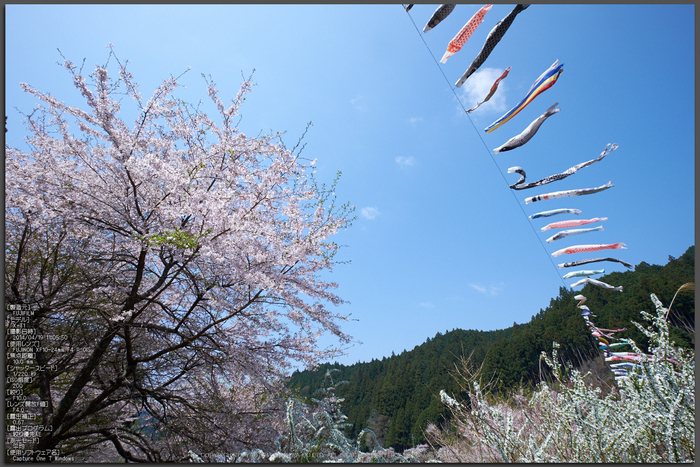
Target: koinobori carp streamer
x=541, y=84
x=572, y=223
x=593, y=260
x=568, y=233
x=588, y=248
x=438, y=15
x=521, y=185
x=604, y=285
x=465, y=33
x=529, y=132
x=589, y=272
x=554, y=212
x=494, y=87
x=567, y=193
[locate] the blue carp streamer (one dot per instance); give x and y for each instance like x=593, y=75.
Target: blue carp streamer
x=554, y=212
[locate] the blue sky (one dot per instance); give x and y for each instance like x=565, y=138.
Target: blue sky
x=441, y=241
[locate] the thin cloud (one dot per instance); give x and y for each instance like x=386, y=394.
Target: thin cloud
x=488, y=290
x=405, y=161
x=414, y=120
x=358, y=103
x=496, y=289
x=478, y=86
x=426, y=305
x=369, y=212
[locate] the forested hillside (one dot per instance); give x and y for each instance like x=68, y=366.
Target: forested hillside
x=398, y=396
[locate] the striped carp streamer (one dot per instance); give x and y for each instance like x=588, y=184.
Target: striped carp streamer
x=541, y=84
x=439, y=14
x=588, y=280
x=583, y=273
x=567, y=193
x=554, y=212
x=529, y=132
x=588, y=248
x=568, y=233
x=572, y=223
x=494, y=86
x=495, y=35
x=408, y=6
x=593, y=260
x=627, y=365
x=521, y=185
x=465, y=33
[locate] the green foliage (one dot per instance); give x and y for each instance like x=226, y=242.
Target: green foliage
x=176, y=238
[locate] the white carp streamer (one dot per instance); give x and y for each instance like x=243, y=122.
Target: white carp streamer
x=585, y=272
x=593, y=260
x=572, y=223
x=567, y=193
x=554, y=212
x=529, y=132
x=588, y=280
x=568, y=233
x=587, y=248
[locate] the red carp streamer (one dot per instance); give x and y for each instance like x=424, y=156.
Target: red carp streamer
x=588, y=248
x=465, y=33
x=492, y=91
x=572, y=223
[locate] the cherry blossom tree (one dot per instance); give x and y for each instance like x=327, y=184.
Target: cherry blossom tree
x=180, y=264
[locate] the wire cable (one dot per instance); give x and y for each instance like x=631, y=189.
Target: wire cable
x=485, y=146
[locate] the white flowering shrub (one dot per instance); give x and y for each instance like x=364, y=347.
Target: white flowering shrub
x=649, y=418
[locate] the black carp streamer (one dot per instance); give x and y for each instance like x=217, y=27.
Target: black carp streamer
x=520, y=185
x=439, y=14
